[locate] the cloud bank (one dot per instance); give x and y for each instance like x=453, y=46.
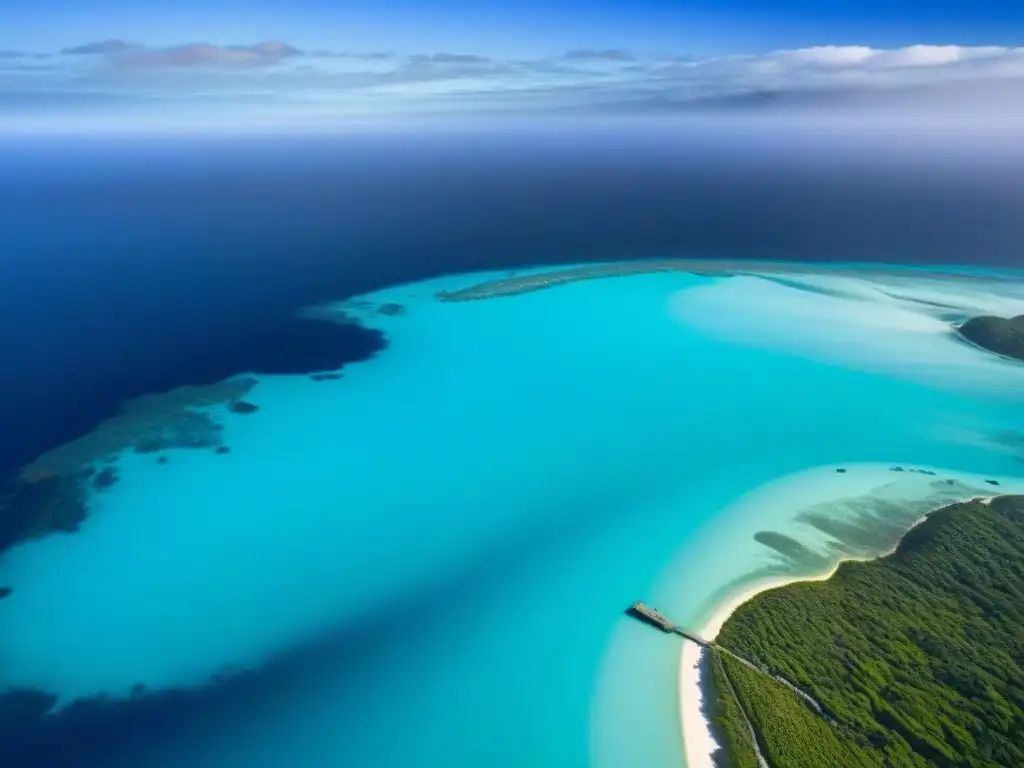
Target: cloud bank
x=281, y=76
x=205, y=56
x=102, y=47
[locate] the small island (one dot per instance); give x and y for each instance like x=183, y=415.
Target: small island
x=1004, y=336
x=914, y=659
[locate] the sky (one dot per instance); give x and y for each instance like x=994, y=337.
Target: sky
x=66, y=62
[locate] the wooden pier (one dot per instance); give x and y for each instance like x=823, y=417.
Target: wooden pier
x=643, y=612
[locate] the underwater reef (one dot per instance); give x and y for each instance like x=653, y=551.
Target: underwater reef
x=147, y=424
x=514, y=284
x=52, y=504
x=50, y=494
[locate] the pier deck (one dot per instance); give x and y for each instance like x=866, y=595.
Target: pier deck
x=643, y=612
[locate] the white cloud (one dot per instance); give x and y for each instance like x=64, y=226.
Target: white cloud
x=585, y=78
x=99, y=48
x=205, y=55
x=826, y=56
x=832, y=57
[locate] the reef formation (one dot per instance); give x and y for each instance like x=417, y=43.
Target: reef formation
x=176, y=419
x=514, y=284
x=50, y=494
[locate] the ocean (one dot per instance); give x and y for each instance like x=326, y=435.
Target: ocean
x=428, y=557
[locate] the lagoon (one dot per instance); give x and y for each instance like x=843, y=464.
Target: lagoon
x=458, y=522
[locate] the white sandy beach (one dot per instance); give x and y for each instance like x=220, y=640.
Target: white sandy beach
x=698, y=737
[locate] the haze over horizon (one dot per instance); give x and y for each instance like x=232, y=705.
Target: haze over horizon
x=142, y=66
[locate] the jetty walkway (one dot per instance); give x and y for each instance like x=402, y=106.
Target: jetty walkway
x=646, y=614
x=655, y=618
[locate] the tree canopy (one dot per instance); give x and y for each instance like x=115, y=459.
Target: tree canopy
x=918, y=657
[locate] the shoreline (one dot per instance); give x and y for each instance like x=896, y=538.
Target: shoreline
x=699, y=743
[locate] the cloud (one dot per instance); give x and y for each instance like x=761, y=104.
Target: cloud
x=827, y=77
x=832, y=56
x=102, y=47
x=450, y=58
x=838, y=57
x=207, y=56
x=364, y=56
x=19, y=66
x=610, y=54
x=12, y=54
x=826, y=69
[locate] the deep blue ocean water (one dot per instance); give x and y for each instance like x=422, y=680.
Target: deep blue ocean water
x=428, y=559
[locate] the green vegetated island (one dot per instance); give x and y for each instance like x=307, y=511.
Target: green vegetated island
x=915, y=659
x=1004, y=336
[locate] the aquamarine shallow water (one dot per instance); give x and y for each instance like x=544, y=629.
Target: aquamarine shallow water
x=493, y=489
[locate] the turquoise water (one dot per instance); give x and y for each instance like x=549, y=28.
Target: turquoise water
x=478, y=504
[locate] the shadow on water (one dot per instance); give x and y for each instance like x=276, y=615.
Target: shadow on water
x=103, y=732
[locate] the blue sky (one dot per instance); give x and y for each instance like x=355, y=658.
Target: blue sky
x=336, y=57
x=501, y=26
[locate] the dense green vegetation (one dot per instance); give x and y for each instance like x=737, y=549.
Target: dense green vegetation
x=737, y=748
x=918, y=657
x=788, y=731
x=997, y=334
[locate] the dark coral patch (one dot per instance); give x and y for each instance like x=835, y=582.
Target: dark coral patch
x=792, y=550
x=50, y=504
x=161, y=460
x=992, y=482
x=223, y=449
x=326, y=376
x=391, y=309
x=23, y=708
x=840, y=470
x=4, y=592
x=146, y=424
x=105, y=478
x=241, y=406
